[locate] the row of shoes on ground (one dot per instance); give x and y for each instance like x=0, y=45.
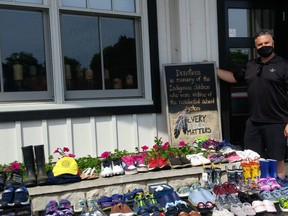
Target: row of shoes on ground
x=63, y=208
x=12, y=197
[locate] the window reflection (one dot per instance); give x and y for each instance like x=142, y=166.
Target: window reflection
x=101, y=4
x=124, y=5
x=31, y=1
x=83, y=56
x=74, y=3
x=22, y=51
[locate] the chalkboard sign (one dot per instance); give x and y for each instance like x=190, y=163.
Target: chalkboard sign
x=192, y=101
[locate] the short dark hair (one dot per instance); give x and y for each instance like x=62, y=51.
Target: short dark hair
x=264, y=32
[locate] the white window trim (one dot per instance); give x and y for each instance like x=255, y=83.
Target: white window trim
x=58, y=82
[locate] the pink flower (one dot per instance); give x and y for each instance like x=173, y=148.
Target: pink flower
x=57, y=150
x=5, y=169
x=155, y=146
x=165, y=145
x=71, y=155
x=15, y=166
x=144, y=148
x=105, y=154
x=182, y=143
x=66, y=149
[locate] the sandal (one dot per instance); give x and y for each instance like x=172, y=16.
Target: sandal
x=266, y=195
x=276, y=193
x=85, y=174
x=93, y=174
x=183, y=191
x=258, y=206
x=263, y=184
x=269, y=205
x=283, y=204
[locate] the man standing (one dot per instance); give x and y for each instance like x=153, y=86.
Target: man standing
x=267, y=81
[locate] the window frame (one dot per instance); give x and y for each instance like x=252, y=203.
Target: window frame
x=58, y=109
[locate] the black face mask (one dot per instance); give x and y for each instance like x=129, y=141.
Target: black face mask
x=265, y=51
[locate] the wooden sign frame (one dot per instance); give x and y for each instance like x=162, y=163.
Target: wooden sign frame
x=192, y=101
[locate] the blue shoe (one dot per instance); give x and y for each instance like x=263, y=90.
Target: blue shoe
x=15, y=180
x=140, y=207
x=128, y=198
x=21, y=197
x=7, y=197
x=196, y=196
x=208, y=195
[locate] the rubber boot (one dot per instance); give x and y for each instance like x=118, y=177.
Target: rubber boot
x=264, y=169
x=247, y=175
x=28, y=156
x=254, y=170
x=231, y=175
x=40, y=161
x=217, y=176
x=208, y=177
x=272, y=168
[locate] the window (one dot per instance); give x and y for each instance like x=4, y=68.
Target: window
x=78, y=54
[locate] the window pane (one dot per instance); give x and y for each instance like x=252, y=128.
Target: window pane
x=31, y=1
x=101, y=4
x=74, y=3
x=81, y=50
x=238, y=22
x=124, y=5
x=119, y=53
x=22, y=51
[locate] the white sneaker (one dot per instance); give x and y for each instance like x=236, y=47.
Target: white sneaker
x=117, y=168
x=106, y=168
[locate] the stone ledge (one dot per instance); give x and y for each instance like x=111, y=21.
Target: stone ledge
x=122, y=179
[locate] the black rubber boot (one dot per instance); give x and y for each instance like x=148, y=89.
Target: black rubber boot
x=40, y=161
x=28, y=156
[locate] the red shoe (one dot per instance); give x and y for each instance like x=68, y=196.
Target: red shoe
x=163, y=163
x=153, y=164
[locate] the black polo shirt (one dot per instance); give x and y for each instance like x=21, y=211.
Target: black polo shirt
x=267, y=89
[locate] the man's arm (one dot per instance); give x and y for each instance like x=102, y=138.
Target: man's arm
x=226, y=75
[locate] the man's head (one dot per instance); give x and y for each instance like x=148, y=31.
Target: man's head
x=264, y=43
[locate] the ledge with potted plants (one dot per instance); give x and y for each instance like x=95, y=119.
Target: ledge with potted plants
x=109, y=169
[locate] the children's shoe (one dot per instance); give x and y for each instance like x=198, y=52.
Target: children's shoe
x=106, y=168
x=7, y=197
x=80, y=206
x=128, y=198
x=51, y=208
x=15, y=180
x=117, y=168
x=140, y=206
x=128, y=164
x=3, y=178
x=153, y=206
x=65, y=207
x=163, y=163
x=140, y=162
x=153, y=164
x=21, y=197
x=126, y=210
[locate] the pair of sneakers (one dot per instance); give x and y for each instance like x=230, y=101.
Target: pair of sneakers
x=134, y=163
x=63, y=208
x=111, y=167
x=14, y=179
x=15, y=197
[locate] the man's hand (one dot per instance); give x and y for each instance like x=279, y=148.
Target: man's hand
x=286, y=131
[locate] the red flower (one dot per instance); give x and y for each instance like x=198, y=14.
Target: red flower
x=144, y=148
x=165, y=145
x=15, y=166
x=57, y=150
x=71, y=155
x=66, y=149
x=155, y=146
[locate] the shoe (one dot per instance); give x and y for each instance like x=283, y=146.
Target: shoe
x=263, y=184
x=163, y=163
x=3, y=178
x=258, y=206
x=222, y=202
x=175, y=162
x=171, y=210
x=198, y=159
x=128, y=198
x=182, y=206
x=140, y=162
x=80, y=206
x=126, y=210
x=117, y=168
x=237, y=210
x=128, y=165
x=283, y=204
x=247, y=208
x=105, y=202
x=196, y=196
x=116, y=211
x=7, y=197
x=153, y=206
x=183, y=191
x=208, y=195
x=14, y=180
x=269, y=205
x=51, y=208
x=106, y=168
x=273, y=183
x=153, y=164
x=140, y=207
x=21, y=197
x=117, y=198
x=65, y=207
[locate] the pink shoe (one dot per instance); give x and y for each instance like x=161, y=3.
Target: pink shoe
x=263, y=184
x=140, y=162
x=233, y=157
x=273, y=183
